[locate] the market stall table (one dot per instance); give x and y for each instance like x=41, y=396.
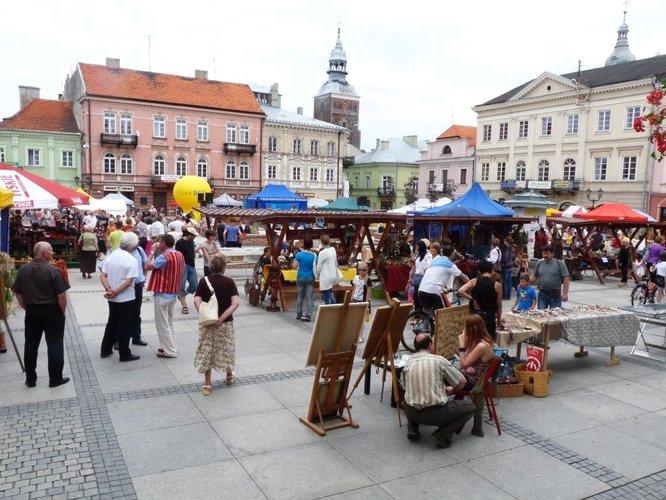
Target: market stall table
x=595, y=326
x=396, y=278
x=649, y=314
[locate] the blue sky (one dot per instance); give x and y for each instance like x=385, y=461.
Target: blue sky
x=418, y=67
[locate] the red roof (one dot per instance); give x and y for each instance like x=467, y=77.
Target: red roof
x=121, y=83
x=45, y=115
x=459, y=132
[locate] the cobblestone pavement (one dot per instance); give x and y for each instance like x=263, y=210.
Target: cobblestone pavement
x=71, y=443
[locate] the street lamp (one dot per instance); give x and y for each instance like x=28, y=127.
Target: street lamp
x=594, y=196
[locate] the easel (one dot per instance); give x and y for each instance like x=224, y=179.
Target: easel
x=382, y=344
x=328, y=400
x=5, y=323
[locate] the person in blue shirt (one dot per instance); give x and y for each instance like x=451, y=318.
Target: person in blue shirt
x=526, y=298
x=304, y=262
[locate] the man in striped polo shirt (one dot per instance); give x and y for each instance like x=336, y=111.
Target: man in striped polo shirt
x=167, y=267
x=429, y=380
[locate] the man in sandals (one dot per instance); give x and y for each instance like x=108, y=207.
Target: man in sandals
x=167, y=266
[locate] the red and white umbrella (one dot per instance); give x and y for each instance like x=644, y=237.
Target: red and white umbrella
x=32, y=191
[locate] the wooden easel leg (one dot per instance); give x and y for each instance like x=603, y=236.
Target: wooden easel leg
x=581, y=353
x=11, y=337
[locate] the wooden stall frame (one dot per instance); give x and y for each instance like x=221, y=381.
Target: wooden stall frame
x=4, y=313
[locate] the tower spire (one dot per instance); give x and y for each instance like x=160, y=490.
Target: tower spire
x=621, y=54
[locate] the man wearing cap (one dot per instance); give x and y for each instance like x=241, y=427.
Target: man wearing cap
x=189, y=281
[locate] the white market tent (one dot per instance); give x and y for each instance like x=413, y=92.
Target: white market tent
x=317, y=202
x=119, y=196
x=114, y=207
x=224, y=200
x=420, y=204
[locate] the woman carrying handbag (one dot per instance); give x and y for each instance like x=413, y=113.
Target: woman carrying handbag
x=216, y=348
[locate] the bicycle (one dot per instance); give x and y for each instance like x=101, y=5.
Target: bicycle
x=423, y=321
x=644, y=292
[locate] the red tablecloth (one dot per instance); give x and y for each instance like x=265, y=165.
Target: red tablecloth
x=396, y=278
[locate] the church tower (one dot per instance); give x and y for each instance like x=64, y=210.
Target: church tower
x=621, y=54
x=337, y=101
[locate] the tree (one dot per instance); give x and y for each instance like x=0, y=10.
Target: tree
x=437, y=191
x=411, y=190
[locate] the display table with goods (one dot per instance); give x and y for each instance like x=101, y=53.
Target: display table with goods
x=591, y=325
x=645, y=346
x=396, y=276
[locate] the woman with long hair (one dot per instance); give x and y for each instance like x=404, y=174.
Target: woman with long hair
x=422, y=257
x=476, y=349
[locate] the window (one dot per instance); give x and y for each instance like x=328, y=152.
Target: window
x=231, y=169
x=125, y=124
x=523, y=129
x=485, y=172
x=126, y=164
x=244, y=170
x=66, y=159
x=330, y=148
x=501, y=170
x=546, y=126
x=629, y=168
x=633, y=112
x=569, y=169
x=314, y=174
x=272, y=144
x=600, y=168
x=159, y=165
x=330, y=176
x=503, y=131
x=297, y=147
x=446, y=150
x=109, y=123
x=202, y=131
x=159, y=127
x=245, y=134
x=181, y=166
x=603, y=121
x=34, y=157
x=231, y=133
x=572, y=124
x=543, y=171
x=272, y=172
x=445, y=179
x=2, y=154
x=202, y=168
x=367, y=182
x=296, y=173
x=431, y=177
x=109, y=163
x=356, y=182
x=181, y=129
x=521, y=171
x=314, y=148
x=487, y=132
x=463, y=176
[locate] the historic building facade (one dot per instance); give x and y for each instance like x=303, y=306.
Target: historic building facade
x=142, y=131
x=42, y=137
x=448, y=161
x=381, y=174
x=571, y=136
x=300, y=152
x=336, y=101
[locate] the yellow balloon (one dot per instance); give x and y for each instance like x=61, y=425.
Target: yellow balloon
x=186, y=192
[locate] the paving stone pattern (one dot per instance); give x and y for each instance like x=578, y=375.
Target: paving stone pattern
x=68, y=448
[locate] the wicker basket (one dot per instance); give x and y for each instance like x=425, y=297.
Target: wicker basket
x=510, y=390
x=536, y=383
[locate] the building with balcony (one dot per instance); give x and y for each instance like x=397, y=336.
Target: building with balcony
x=303, y=153
x=564, y=134
x=381, y=174
x=42, y=137
x=448, y=161
x=143, y=131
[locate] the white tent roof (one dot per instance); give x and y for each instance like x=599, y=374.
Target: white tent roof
x=317, y=202
x=420, y=204
x=224, y=200
x=572, y=210
x=119, y=196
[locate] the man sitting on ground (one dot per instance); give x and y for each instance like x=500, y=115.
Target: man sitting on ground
x=429, y=379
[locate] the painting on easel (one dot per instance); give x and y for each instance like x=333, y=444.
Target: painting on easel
x=327, y=325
